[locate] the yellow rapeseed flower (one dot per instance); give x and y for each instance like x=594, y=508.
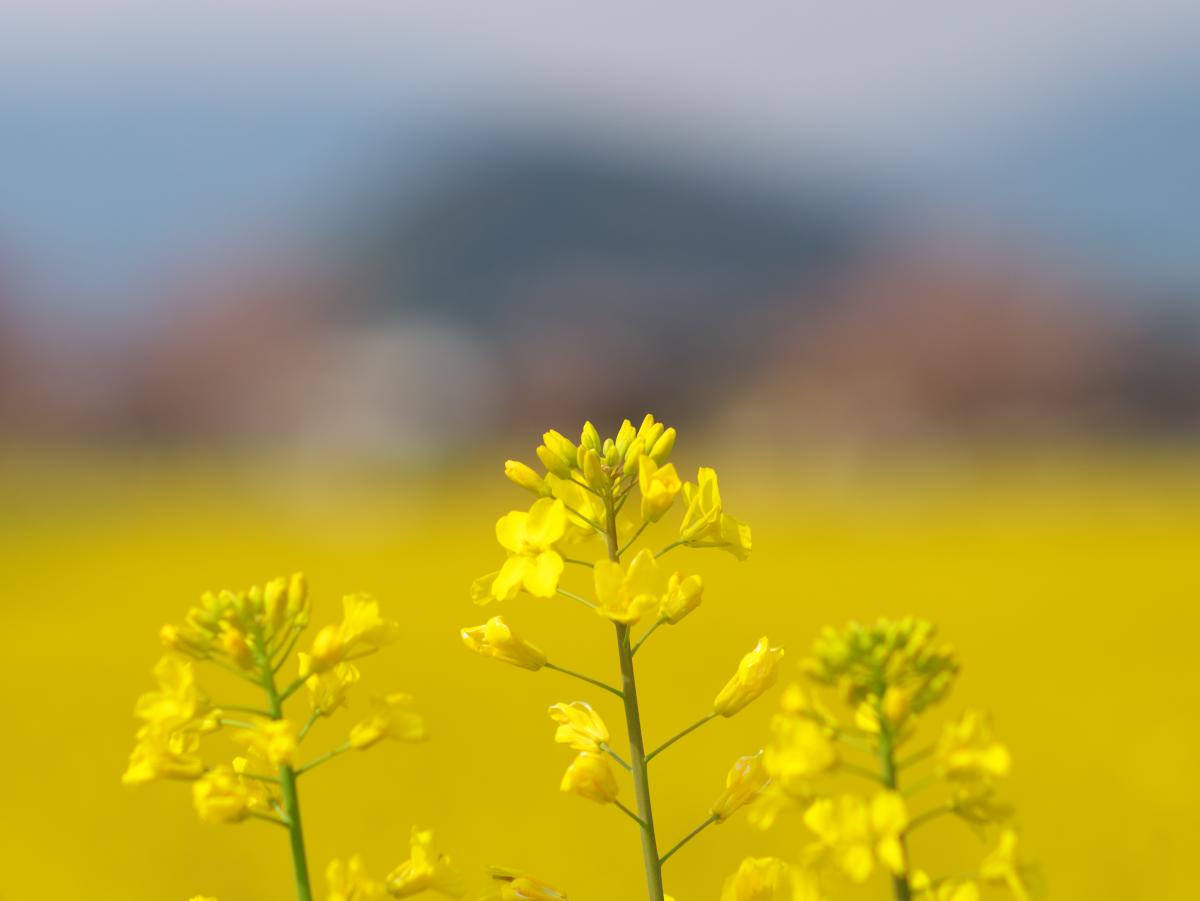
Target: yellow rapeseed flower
x=745, y=779
x=706, y=524
x=391, y=717
x=520, y=474
x=533, y=563
x=327, y=691
x=759, y=879
x=513, y=885
x=799, y=750
x=967, y=751
x=221, y=796
x=1001, y=867
x=924, y=889
x=682, y=597
x=273, y=740
x=579, y=726
x=425, y=870
x=350, y=882
x=756, y=672
x=591, y=776
x=362, y=631
x=495, y=639
x=626, y=592
x=659, y=485
x=858, y=834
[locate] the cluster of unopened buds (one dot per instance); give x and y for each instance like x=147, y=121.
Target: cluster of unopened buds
x=596, y=502
x=889, y=676
x=252, y=635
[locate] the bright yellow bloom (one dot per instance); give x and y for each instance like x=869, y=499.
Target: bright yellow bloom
x=800, y=701
x=756, y=673
x=221, y=796
x=746, y=778
x=1001, y=867
x=159, y=754
x=362, y=631
x=626, y=592
x=557, y=454
x=682, y=597
x=327, y=691
x=946, y=890
x=532, y=564
x=520, y=474
x=858, y=834
x=391, y=717
x=706, y=524
x=591, y=776
x=425, y=870
x=178, y=702
x=967, y=752
x=579, y=726
x=759, y=879
x=658, y=485
x=495, y=639
x=799, y=750
x=273, y=740
x=584, y=509
x=513, y=885
x=349, y=882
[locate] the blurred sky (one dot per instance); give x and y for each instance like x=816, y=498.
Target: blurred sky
x=140, y=135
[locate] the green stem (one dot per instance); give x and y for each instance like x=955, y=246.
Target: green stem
x=670, y=741
x=887, y=763
x=578, y=598
x=633, y=725
x=641, y=641
x=629, y=813
x=671, y=546
x=634, y=537
x=617, y=757
x=328, y=755
x=687, y=838
x=287, y=789
x=571, y=672
x=931, y=814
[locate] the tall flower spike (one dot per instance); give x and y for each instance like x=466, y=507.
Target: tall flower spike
x=756, y=672
x=533, y=564
x=495, y=639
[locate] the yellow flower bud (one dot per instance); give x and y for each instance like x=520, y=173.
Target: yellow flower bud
x=625, y=436
x=745, y=779
x=524, y=477
x=557, y=454
x=659, y=486
x=756, y=672
x=593, y=473
x=683, y=596
x=897, y=703
x=590, y=438
x=425, y=870
x=275, y=605
x=496, y=639
x=591, y=776
x=579, y=726
x=517, y=886
x=327, y=651
x=298, y=598
x=662, y=447
x=234, y=644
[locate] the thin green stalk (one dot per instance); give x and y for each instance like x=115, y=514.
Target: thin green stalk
x=629, y=813
x=287, y=790
x=887, y=763
x=687, y=838
x=578, y=598
x=634, y=537
x=571, y=672
x=641, y=641
x=670, y=741
x=671, y=546
x=617, y=757
x=328, y=755
x=633, y=725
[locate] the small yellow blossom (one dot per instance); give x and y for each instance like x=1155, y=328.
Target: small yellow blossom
x=800, y=701
x=626, y=592
x=159, y=754
x=425, y=870
x=579, y=726
x=391, y=717
x=327, y=691
x=799, y=750
x=746, y=778
x=495, y=639
x=858, y=834
x=659, y=485
x=221, y=796
x=362, y=631
x=273, y=740
x=591, y=776
x=759, y=879
x=706, y=524
x=350, y=882
x=532, y=564
x=513, y=885
x=756, y=672
x=682, y=597
x=1001, y=867
x=967, y=751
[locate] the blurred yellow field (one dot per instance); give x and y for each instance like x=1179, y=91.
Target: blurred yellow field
x=1069, y=585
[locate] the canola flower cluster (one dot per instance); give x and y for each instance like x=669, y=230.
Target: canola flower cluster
x=594, y=503
x=251, y=635
x=888, y=675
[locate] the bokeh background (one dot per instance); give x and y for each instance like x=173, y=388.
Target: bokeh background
x=282, y=285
